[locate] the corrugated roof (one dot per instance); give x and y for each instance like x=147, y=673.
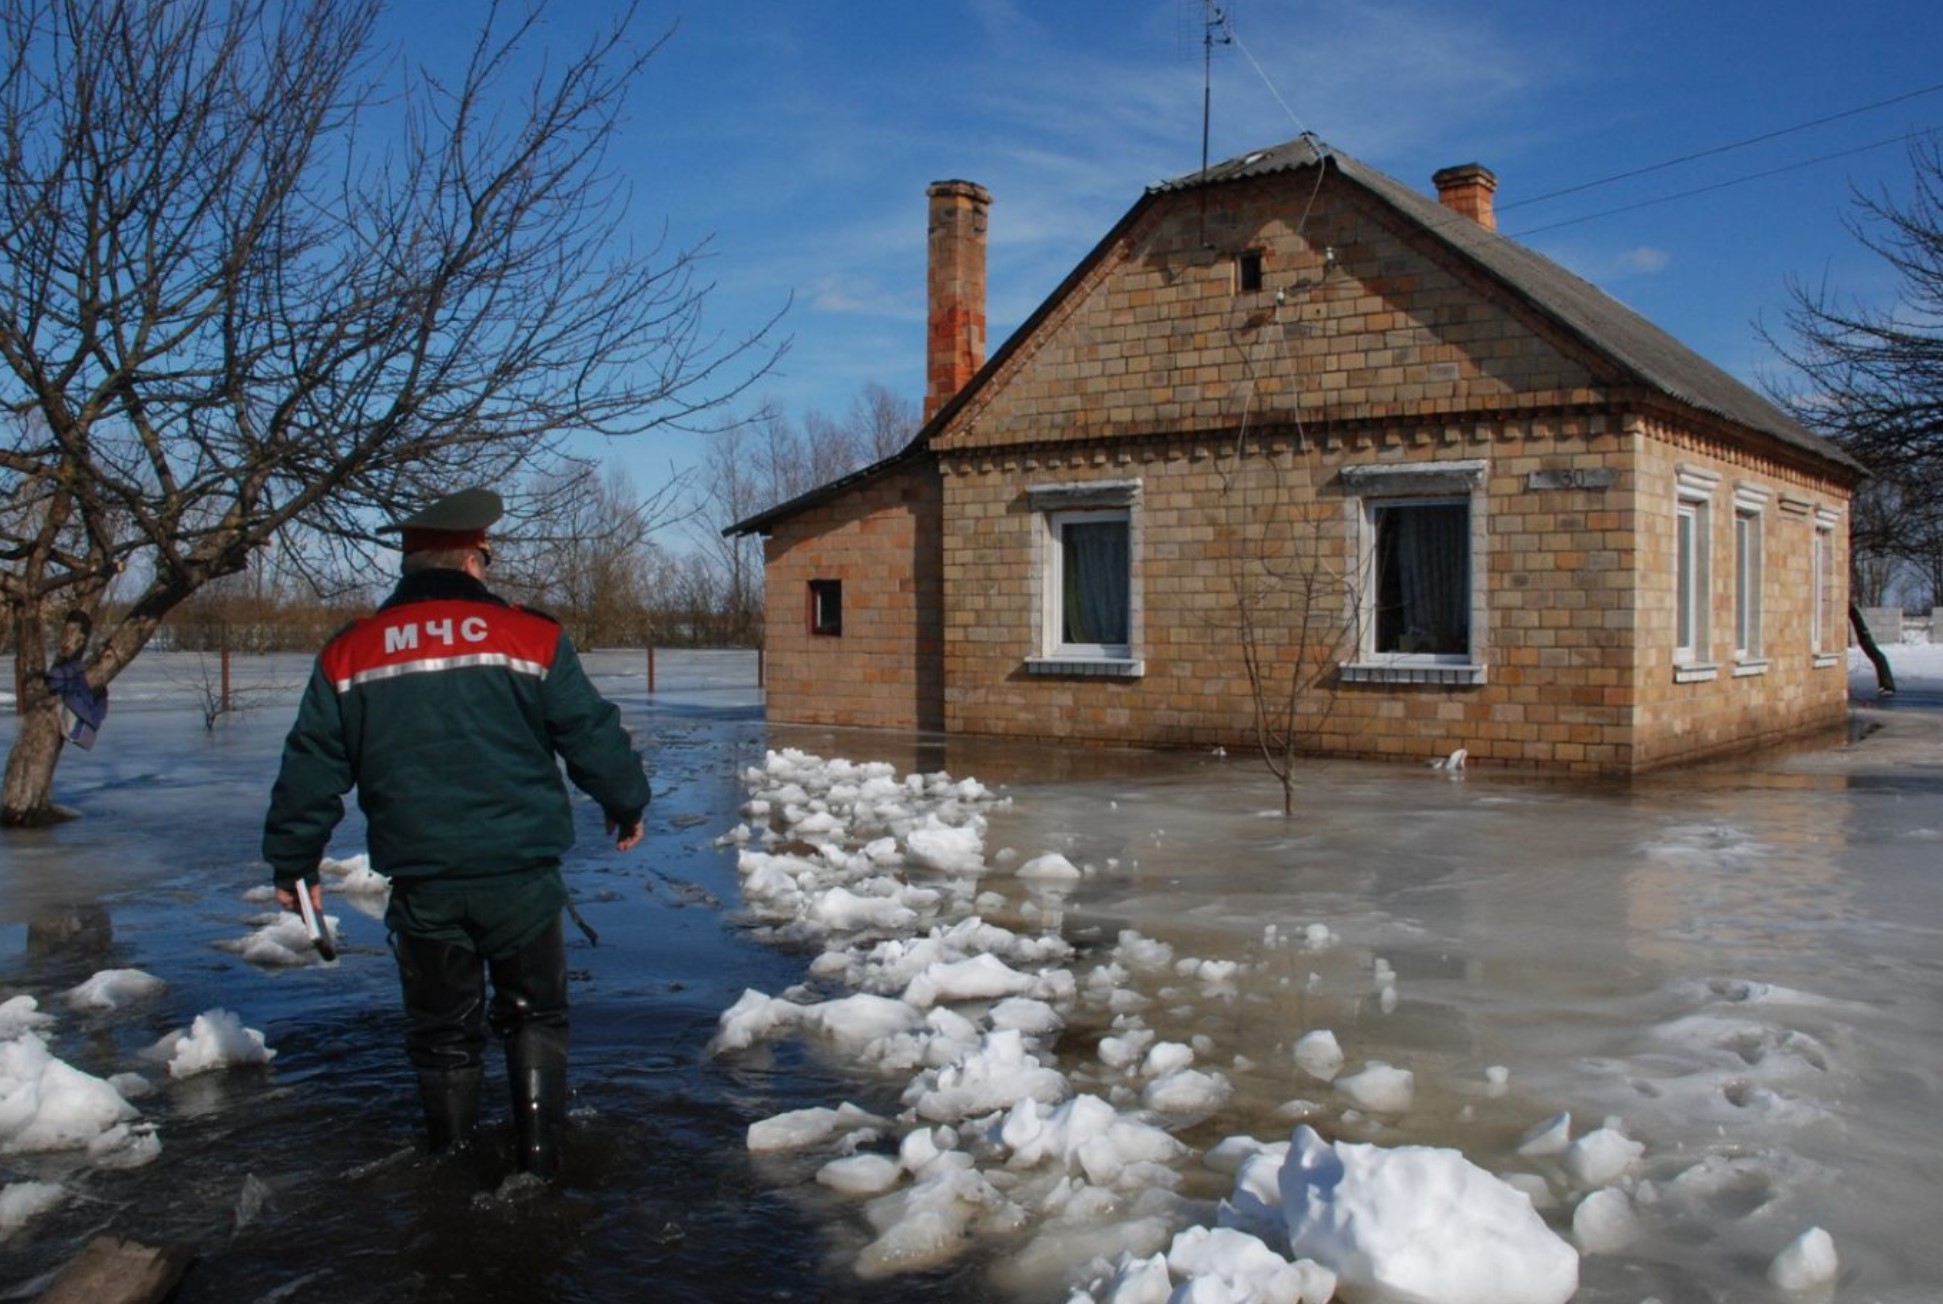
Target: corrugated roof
x=1601, y=321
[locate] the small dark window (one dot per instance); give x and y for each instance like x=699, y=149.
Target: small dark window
x=826, y=607
x=1248, y=271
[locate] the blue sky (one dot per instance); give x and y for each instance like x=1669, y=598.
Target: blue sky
x=799, y=139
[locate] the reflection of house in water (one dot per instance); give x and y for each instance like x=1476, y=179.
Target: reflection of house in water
x=1290, y=407
x=1746, y=871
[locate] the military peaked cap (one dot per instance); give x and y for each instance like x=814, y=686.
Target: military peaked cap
x=457, y=520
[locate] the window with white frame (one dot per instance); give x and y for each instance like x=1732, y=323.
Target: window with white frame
x=1092, y=583
x=1418, y=610
x=1749, y=514
x=1693, y=569
x=1088, y=573
x=1818, y=586
x=1825, y=634
x=1421, y=584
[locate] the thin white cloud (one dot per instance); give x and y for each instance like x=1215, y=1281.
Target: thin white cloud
x=1645, y=260
x=849, y=294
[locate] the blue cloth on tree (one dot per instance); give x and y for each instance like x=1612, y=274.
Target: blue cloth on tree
x=82, y=708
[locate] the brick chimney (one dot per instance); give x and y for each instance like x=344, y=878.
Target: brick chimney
x=955, y=326
x=1467, y=189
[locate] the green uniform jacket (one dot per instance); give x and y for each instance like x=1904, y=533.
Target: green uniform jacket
x=447, y=710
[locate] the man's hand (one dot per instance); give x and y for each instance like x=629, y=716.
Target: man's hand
x=630, y=837
x=288, y=899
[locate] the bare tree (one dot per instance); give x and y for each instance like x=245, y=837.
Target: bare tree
x=883, y=421
x=1872, y=378
x=768, y=460
x=1296, y=602
x=691, y=607
x=736, y=483
x=257, y=283
x=589, y=560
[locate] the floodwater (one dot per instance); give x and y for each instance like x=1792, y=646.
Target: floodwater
x=1740, y=963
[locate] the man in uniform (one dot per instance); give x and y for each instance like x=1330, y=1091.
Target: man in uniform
x=449, y=710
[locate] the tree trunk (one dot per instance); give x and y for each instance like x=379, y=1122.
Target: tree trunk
x=1885, y=677
x=27, y=799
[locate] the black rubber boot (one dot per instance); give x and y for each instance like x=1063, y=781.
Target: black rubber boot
x=529, y=1010
x=451, y=1101
x=536, y=1067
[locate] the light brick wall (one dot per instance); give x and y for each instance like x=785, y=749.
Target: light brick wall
x=1578, y=640
x=881, y=541
x=1237, y=415
x=1743, y=704
x=1216, y=528
x=1159, y=340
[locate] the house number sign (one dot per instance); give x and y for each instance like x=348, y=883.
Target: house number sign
x=1591, y=477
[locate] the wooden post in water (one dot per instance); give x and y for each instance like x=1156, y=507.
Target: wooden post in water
x=650, y=670
x=225, y=674
x=759, y=666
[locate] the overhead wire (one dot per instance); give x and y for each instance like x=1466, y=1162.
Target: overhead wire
x=1901, y=138
x=1239, y=44
x=1234, y=38
x=1723, y=149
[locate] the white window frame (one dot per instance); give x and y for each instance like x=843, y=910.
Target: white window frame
x=1057, y=523
x=1750, y=551
x=1054, y=508
x=1414, y=484
x=1693, y=568
x=1824, y=645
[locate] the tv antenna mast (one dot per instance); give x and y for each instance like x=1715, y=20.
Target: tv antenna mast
x=1214, y=31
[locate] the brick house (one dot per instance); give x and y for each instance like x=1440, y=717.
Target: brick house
x=1291, y=412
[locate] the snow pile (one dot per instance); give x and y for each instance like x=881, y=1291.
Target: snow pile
x=1318, y=1054
x=216, y=1040
x=278, y=941
x=884, y=874
x=1808, y=1262
x=353, y=876
x=1417, y=1223
x=113, y=988
x=20, y=1202
x=48, y=1104
x=1379, y=1088
x=20, y=1014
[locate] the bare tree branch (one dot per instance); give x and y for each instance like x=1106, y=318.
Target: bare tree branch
x=260, y=282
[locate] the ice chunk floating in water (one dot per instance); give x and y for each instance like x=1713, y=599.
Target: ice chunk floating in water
x=1808, y=1262
x=113, y=988
x=1418, y=1223
x=216, y=1040
x=47, y=1104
